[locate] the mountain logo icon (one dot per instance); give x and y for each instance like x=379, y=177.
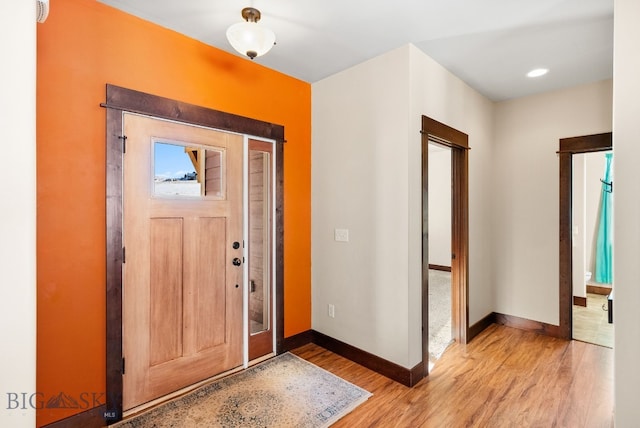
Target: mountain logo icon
x=62, y=401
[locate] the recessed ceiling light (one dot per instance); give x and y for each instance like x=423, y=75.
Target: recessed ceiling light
x=538, y=72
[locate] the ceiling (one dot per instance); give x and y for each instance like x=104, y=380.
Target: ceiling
x=490, y=44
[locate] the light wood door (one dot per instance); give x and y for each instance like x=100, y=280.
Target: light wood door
x=182, y=291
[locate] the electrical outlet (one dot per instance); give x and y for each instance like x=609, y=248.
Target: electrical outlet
x=331, y=310
x=341, y=235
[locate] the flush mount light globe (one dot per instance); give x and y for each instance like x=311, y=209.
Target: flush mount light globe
x=249, y=38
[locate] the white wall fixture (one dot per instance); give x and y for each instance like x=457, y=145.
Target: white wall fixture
x=331, y=310
x=249, y=38
x=341, y=235
x=42, y=10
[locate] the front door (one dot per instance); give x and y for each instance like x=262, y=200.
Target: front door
x=182, y=276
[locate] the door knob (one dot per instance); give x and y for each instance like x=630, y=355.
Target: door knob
x=237, y=262
x=236, y=245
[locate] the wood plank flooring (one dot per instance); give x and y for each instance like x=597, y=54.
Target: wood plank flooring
x=504, y=378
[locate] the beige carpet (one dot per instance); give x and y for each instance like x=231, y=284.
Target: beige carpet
x=285, y=391
x=439, y=313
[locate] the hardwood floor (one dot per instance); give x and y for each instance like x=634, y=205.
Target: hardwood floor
x=504, y=378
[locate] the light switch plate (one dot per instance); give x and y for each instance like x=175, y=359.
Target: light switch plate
x=341, y=235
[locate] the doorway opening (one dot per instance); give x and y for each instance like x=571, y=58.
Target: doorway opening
x=458, y=142
x=440, y=307
x=568, y=148
x=592, y=191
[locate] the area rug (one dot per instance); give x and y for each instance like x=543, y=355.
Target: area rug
x=285, y=391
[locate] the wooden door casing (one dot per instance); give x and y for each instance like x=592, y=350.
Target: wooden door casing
x=458, y=141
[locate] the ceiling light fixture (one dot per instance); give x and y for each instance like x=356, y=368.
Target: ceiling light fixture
x=249, y=38
x=538, y=72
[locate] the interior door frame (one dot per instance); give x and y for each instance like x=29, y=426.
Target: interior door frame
x=118, y=101
x=459, y=143
x=568, y=148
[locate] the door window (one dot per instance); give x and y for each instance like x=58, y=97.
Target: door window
x=181, y=170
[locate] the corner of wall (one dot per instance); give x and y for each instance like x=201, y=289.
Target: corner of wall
x=18, y=226
x=626, y=128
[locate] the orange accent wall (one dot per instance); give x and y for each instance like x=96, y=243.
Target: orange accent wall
x=82, y=46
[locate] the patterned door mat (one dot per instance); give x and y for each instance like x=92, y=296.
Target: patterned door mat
x=285, y=391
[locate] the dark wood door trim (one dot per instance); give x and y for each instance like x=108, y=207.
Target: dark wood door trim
x=569, y=147
x=152, y=105
x=118, y=101
x=460, y=243
x=279, y=205
x=115, y=258
x=459, y=144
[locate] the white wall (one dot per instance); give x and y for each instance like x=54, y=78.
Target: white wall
x=437, y=93
x=366, y=177
x=626, y=246
x=525, y=240
x=17, y=228
x=359, y=182
x=439, y=206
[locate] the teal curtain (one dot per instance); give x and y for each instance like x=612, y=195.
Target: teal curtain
x=604, y=254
